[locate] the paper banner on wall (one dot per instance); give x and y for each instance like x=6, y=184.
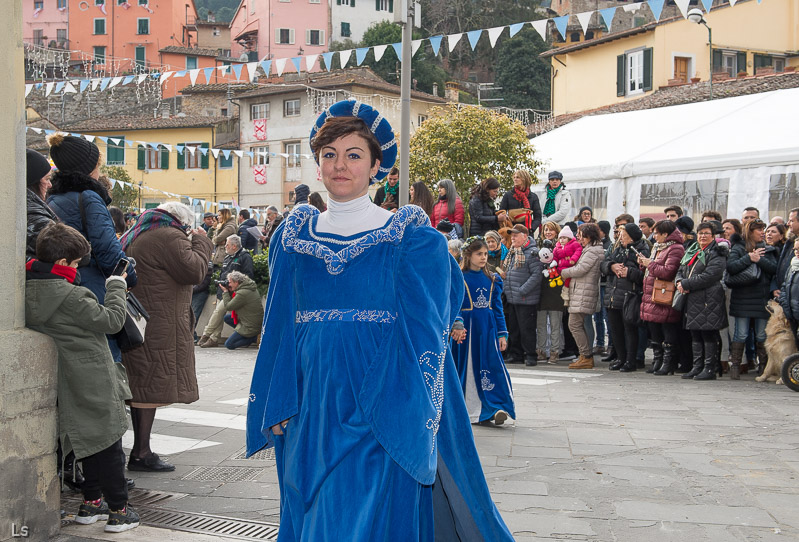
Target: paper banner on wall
x=452, y=41
x=540, y=26
x=607, y=16
x=259, y=174
x=259, y=129
x=560, y=24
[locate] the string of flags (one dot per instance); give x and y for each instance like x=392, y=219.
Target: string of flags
x=279, y=65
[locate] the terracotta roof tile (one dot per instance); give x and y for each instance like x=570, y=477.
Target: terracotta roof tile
x=193, y=51
x=121, y=124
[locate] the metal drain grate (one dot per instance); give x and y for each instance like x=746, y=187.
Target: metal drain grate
x=137, y=497
x=224, y=474
x=267, y=454
x=208, y=524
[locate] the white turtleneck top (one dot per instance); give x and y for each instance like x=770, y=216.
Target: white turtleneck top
x=352, y=217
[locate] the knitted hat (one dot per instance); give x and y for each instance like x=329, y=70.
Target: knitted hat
x=518, y=228
x=585, y=208
x=491, y=234
x=685, y=224
x=555, y=175
x=70, y=153
x=301, y=193
x=445, y=226
x=634, y=232
x=604, y=225
x=378, y=125
x=38, y=167
x=566, y=232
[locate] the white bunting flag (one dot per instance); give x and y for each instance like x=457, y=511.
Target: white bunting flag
x=280, y=65
x=139, y=79
x=115, y=81
x=415, y=44
x=584, y=19
x=541, y=27
x=344, y=57
x=632, y=8
x=89, y=138
x=168, y=147
x=493, y=34
x=239, y=153
x=114, y=140
x=310, y=62
x=215, y=152
x=191, y=149
x=683, y=5
x=48, y=88
x=165, y=76
x=69, y=89
x=193, y=74
x=251, y=67
x=379, y=50
x=28, y=89
x=452, y=40
x=732, y=2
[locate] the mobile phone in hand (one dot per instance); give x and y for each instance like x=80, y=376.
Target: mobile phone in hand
x=122, y=267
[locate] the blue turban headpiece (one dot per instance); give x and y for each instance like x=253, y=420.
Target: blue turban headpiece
x=374, y=121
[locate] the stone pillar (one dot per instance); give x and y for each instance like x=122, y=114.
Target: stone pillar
x=29, y=491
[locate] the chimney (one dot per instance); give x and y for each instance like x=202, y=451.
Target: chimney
x=451, y=92
x=435, y=89
x=164, y=110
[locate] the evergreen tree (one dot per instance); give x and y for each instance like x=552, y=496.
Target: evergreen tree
x=522, y=74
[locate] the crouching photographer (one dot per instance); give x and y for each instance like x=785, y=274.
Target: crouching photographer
x=247, y=313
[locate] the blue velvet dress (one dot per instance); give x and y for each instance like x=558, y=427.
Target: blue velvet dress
x=484, y=378
x=355, y=356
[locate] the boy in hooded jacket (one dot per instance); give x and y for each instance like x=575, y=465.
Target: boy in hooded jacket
x=92, y=388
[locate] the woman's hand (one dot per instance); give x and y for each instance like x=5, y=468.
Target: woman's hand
x=278, y=429
x=615, y=268
x=200, y=231
x=644, y=261
x=622, y=272
x=756, y=254
x=501, y=217
x=458, y=335
x=681, y=289
x=503, y=344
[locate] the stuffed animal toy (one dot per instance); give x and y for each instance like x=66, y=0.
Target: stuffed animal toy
x=550, y=272
x=505, y=234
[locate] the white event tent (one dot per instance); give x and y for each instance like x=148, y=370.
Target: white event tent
x=745, y=150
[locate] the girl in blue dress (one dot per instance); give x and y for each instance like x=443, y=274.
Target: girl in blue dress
x=484, y=378
x=354, y=384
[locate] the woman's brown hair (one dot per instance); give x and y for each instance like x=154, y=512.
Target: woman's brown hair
x=226, y=214
x=338, y=127
x=749, y=227
x=527, y=179
x=590, y=231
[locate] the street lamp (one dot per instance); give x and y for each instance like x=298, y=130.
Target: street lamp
x=695, y=16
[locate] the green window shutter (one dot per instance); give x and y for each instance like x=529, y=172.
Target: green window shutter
x=716, y=60
x=377, y=5
x=164, y=157
x=204, y=157
x=647, y=69
x=391, y=6
x=352, y=3
x=338, y=2
x=741, y=62
x=620, y=83
x=142, y=157
x=182, y=157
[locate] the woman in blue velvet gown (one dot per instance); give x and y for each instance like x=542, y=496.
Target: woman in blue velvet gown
x=354, y=383
x=484, y=378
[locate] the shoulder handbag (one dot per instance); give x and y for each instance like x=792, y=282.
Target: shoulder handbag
x=663, y=292
x=631, y=308
x=678, y=302
x=132, y=333
x=747, y=277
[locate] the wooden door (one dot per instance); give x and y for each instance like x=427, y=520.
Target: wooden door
x=681, y=68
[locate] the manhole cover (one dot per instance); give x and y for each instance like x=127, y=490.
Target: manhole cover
x=267, y=454
x=224, y=474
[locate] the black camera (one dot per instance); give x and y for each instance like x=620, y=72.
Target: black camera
x=223, y=283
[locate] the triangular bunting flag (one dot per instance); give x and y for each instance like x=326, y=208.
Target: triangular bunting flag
x=239, y=153
x=296, y=61
x=310, y=62
x=560, y=24
x=129, y=142
x=344, y=57
x=179, y=148
x=215, y=152
x=28, y=89
x=584, y=18
x=707, y=4
x=252, y=67
x=208, y=72
x=732, y=2
x=632, y=8
x=360, y=55
x=115, y=81
x=168, y=147
x=266, y=65
x=683, y=5
x=398, y=50
x=541, y=27
x=415, y=44
x=474, y=37
x=226, y=154
x=104, y=83
x=435, y=43
x=60, y=86
x=237, y=70
x=328, y=60
x=514, y=28
x=452, y=41
x=48, y=88
x=141, y=78
x=37, y=130
x=493, y=35
x=89, y=138
x=280, y=65
x=84, y=84
x=165, y=76
x=191, y=149
x=379, y=50
x=657, y=8
x=114, y=140
x=193, y=76
x=607, y=16
x=181, y=73
x=69, y=89
x=128, y=79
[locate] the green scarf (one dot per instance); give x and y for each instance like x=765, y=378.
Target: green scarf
x=392, y=190
x=549, y=207
x=693, y=251
x=151, y=219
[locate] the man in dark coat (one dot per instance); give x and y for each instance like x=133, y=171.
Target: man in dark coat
x=523, y=276
x=248, y=241
x=784, y=262
x=273, y=220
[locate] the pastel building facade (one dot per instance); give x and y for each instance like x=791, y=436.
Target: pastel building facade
x=46, y=23
x=349, y=20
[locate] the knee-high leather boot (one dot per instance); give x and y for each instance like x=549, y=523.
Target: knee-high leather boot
x=711, y=358
x=670, y=356
x=762, y=357
x=657, y=362
x=697, y=350
x=736, y=354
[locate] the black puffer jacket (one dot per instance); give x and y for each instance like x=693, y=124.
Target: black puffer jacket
x=482, y=216
x=509, y=202
x=616, y=287
x=750, y=301
x=706, y=304
x=39, y=216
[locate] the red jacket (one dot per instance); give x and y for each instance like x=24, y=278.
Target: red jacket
x=567, y=256
x=663, y=267
x=440, y=212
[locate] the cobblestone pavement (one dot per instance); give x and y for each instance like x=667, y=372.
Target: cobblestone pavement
x=594, y=455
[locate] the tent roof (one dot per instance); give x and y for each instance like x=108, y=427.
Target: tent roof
x=744, y=131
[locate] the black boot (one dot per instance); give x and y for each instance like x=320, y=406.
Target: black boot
x=630, y=366
x=611, y=356
x=697, y=348
x=616, y=365
x=657, y=362
x=711, y=358
x=669, y=360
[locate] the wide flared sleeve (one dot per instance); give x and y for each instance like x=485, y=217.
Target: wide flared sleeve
x=496, y=306
x=403, y=390
x=273, y=392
